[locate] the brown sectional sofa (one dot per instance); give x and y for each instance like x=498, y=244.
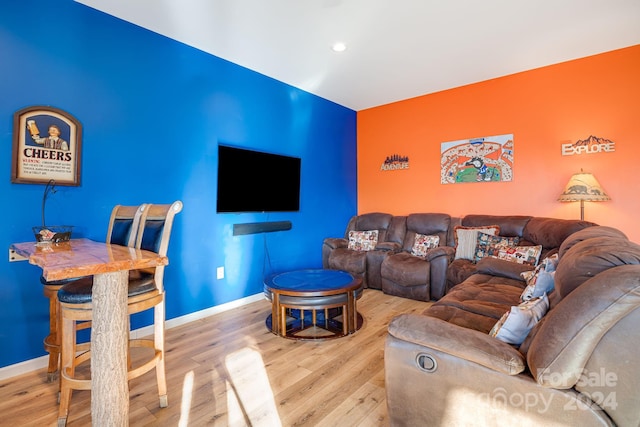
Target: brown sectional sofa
x=391, y=268
x=577, y=366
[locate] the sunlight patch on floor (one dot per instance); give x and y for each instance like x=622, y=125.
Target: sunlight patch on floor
x=187, y=396
x=249, y=396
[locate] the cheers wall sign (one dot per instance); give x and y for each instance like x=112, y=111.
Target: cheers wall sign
x=591, y=145
x=47, y=145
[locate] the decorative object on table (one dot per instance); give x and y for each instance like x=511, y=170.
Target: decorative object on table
x=591, y=145
x=487, y=159
x=47, y=144
x=583, y=187
x=51, y=233
x=395, y=162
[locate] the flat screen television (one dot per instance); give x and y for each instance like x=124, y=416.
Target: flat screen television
x=255, y=181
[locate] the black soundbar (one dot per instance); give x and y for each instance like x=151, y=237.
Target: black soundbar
x=260, y=227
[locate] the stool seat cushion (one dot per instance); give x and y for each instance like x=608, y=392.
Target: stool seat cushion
x=313, y=301
x=61, y=282
x=79, y=291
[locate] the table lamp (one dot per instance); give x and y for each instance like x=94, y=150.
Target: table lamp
x=583, y=187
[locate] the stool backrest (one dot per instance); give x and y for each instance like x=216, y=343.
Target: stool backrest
x=154, y=231
x=124, y=224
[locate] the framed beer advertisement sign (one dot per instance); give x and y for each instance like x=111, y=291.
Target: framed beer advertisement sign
x=47, y=144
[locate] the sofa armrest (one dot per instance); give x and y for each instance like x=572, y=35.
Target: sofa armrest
x=336, y=242
x=439, y=259
x=467, y=344
x=502, y=268
x=388, y=246
x=329, y=245
x=440, y=251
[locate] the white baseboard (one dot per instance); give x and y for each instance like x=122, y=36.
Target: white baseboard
x=42, y=362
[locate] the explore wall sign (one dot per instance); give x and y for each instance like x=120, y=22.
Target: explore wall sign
x=395, y=162
x=591, y=145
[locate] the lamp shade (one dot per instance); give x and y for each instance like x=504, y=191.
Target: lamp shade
x=583, y=186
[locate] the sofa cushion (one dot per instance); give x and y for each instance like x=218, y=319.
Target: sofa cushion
x=467, y=239
x=510, y=225
x=514, y=326
x=428, y=224
x=371, y=221
x=489, y=245
x=363, y=240
x=479, y=302
x=589, y=233
x=551, y=232
x=422, y=243
x=405, y=269
x=589, y=257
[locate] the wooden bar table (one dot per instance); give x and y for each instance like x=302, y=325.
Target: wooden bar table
x=109, y=264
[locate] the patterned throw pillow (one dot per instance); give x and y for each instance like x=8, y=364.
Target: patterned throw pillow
x=489, y=245
x=467, y=239
x=423, y=243
x=363, y=240
x=516, y=324
x=541, y=280
x=521, y=254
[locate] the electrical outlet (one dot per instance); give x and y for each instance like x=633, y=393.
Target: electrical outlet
x=220, y=273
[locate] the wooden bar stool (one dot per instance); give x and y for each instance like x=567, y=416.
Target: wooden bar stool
x=52, y=341
x=145, y=291
x=122, y=230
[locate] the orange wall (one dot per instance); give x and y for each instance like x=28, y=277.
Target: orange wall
x=542, y=108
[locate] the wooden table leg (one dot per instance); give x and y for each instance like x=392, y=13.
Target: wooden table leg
x=109, y=387
x=283, y=321
x=351, y=312
x=275, y=313
x=345, y=319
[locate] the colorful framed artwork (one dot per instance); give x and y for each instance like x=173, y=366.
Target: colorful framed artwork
x=486, y=159
x=47, y=144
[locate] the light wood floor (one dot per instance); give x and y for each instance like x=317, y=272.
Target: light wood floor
x=228, y=370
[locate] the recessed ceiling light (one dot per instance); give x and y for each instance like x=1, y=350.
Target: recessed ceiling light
x=339, y=47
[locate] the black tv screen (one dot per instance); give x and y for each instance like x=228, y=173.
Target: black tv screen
x=254, y=181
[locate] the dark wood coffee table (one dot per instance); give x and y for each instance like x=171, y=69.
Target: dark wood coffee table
x=314, y=304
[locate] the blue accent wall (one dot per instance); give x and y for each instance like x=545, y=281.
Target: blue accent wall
x=153, y=112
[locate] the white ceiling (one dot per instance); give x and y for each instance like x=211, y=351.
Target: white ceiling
x=396, y=49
